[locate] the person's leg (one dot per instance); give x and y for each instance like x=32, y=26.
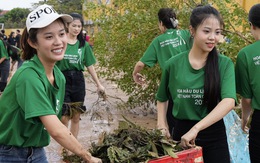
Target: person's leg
x=216, y=153
x=13, y=154
x=74, y=128
x=254, y=134
x=66, y=109
x=65, y=118
x=213, y=141
x=78, y=96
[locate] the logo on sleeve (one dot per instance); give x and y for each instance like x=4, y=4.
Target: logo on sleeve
x=57, y=106
x=256, y=60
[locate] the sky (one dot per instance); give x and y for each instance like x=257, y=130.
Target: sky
x=10, y=4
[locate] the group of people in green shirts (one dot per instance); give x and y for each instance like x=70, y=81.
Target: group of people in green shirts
x=197, y=90
x=198, y=87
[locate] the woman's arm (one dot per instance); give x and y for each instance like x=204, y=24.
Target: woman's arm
x=138, y=78
x=161, y=118
x=2, y=60
x=94, y=76
x=246, y=112
x=64, y=137
x=225, y=105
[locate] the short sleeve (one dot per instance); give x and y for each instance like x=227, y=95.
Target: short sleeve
x=242, y=76
x=32, y=96
x=89, y=58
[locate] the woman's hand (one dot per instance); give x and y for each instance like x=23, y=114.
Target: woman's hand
x=101, y=92
x=165, y=132
x=244, y=123
x=100, y=88
x=89, y=158
x=188, y=139
x=95, y=160
x=138, y=78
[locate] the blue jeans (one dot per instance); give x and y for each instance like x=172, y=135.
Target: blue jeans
x=13, y=154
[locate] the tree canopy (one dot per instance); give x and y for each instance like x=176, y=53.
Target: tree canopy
x=15, y=18
x=64, y=6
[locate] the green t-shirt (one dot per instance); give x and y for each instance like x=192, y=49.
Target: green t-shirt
x=248, y=73
x=28, y=96
x=168, y=44
x=186, y=86
x=3, y=51
x=76, y=58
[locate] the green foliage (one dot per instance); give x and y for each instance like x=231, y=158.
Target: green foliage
x=237, y=28
x=15, y=18
x=65, y=6
x=122, y=41
x=128, y=26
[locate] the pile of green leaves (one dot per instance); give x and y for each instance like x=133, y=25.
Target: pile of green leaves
x=131, y=143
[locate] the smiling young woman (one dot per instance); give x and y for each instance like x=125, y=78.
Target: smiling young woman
x=31, y=104
x=205, y=94
x=78, y=56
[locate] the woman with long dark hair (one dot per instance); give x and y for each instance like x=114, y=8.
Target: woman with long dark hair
x=78, y=55
x=201, y=83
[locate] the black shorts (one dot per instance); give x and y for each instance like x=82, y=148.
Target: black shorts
x=75, y=91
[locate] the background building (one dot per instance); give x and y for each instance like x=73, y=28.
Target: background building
x=247, y=4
